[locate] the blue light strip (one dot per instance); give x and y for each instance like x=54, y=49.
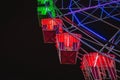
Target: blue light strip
x=87, y=16
x=92, y=7
x=109, y=14
x=84, y=25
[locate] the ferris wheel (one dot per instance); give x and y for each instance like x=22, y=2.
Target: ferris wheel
x=88, y=30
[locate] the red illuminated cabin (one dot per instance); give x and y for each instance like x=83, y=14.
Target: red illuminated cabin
x=68, y=47
x=50, y=27
x=99, y=67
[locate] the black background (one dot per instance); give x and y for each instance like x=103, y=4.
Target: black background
x=25, y=56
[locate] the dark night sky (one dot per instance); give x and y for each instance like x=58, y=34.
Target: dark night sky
x=25, y=55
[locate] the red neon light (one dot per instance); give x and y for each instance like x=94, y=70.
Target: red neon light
x=51, y=23
x=98, y=66
x=68, y=40
x=98, y=59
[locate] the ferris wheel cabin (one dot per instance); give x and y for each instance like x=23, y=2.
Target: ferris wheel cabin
x=68, y=47
x=50, y=27
x=98, y=67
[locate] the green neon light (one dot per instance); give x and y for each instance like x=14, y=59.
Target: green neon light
x=44, y=10
x=44, y=1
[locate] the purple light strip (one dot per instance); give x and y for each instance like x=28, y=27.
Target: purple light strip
x=84, y=9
